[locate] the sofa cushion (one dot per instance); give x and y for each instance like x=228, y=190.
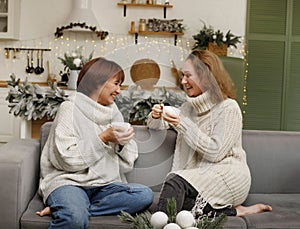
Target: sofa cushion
x=30, y=220
x=273, y=158
x=285, y=214
x=44, y=132
x=156, y=149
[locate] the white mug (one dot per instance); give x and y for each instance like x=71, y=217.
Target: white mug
x=124, y=125
x=171, y=110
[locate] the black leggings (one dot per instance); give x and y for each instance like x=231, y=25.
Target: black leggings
x=185, y=195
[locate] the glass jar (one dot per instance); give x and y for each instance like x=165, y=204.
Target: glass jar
x=142, y=25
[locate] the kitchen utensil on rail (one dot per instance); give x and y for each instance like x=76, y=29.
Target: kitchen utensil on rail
x=42, y=60
x=29, y=68
x=37, y=69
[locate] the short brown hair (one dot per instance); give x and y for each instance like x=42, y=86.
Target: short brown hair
x=95, y=73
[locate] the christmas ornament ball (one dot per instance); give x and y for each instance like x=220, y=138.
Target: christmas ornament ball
x=185, y=219
x=159, y=219
x=172, y=226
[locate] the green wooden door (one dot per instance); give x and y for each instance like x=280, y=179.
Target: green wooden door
x=292, y=107
x=273, y=82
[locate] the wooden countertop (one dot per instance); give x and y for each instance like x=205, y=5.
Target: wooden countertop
x=3, y=83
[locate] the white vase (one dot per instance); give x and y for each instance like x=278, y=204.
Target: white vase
x=72, y=82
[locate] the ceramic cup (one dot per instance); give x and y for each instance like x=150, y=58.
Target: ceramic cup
x=171, y=110
x=124, y=125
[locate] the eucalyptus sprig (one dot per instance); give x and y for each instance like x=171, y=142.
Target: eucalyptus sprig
x=135, y=103
x=206, y=222
x=32, y=101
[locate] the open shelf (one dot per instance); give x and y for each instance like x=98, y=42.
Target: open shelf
x=145, y=33
x=164, y=6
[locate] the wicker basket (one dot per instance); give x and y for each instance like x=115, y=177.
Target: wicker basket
x=145, y=73
x=219, y=50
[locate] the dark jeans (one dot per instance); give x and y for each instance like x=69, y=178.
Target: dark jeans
x=185, y=195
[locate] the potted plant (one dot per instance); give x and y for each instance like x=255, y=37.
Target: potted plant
x=215, y=40
x=73, y=63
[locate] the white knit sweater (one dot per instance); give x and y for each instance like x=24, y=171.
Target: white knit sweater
x=209, y=153
x=74, y=154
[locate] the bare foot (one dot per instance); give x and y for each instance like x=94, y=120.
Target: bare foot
x=248, y=210
x=45, y=211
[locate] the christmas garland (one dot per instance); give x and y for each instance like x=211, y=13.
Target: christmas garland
x=83, y=25
x=172, y=219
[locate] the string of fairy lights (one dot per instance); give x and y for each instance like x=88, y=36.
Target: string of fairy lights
x=121, y=46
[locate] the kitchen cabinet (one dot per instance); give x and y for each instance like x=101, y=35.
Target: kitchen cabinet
x=9, y=19
x=9, y=124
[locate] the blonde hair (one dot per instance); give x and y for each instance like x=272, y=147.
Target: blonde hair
x=217, y=70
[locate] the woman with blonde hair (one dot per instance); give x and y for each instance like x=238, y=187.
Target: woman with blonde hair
x=209, y=174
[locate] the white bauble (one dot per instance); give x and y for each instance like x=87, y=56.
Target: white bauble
x=192, y=228
x=172, y=226
x=159, y=219
x=185, y=219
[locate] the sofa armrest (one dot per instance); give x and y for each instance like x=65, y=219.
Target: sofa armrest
x=19, y=177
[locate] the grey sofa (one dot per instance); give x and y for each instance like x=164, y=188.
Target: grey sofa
x=273, y=157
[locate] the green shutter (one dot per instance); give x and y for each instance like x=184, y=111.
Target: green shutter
x=296, y=18
x=267, y=16
x=292, y=112
x=264, y=85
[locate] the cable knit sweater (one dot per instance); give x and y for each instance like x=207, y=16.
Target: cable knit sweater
x=209, y=153
x=75, y=155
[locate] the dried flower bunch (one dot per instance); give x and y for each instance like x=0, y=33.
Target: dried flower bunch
x=208, y=34
x=75, y=60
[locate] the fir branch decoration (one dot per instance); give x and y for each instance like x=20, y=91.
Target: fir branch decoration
x=32, y=101
x=208, y=34
x=140, y=221
x=171, y=210
x=143, y=220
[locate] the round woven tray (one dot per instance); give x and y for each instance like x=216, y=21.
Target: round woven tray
x=145, y=73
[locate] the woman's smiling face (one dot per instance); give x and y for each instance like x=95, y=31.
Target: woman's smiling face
x=190, y=79
x=109, y=91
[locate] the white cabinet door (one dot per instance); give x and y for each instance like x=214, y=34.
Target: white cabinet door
x=9, y=19
x=9, y=124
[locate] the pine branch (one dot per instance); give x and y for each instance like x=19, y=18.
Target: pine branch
x=140, y=221
x=171, y=210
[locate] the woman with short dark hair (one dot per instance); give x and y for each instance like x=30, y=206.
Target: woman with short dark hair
x=85, y=158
